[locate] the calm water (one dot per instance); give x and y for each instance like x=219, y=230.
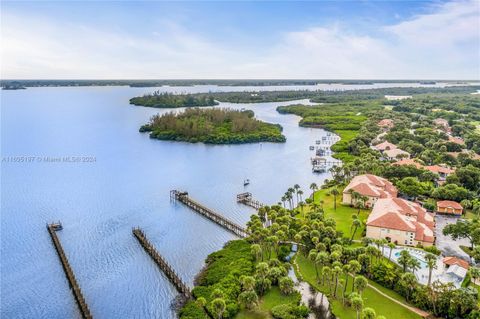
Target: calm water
x=127, y=185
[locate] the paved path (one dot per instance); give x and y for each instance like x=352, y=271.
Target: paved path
x=416, y=310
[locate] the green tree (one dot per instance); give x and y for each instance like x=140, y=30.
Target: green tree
x=286, y=285
x=335, y=193
x=357, y=304
x=218, y=307
x=431, y=260
x=368, y=313
x=248, y=299
x=360, y=283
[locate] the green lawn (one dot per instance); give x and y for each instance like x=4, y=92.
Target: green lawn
x=343, y=213
x=271, y=299
x=382, y=305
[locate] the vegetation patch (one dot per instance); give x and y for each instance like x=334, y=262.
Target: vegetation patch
x=170, y=100
x=213, y=126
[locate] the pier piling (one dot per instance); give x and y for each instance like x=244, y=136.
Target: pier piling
x=208, y=213
x=82, y=305
x=162, y=263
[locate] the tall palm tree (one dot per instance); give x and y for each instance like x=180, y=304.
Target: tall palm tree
x=360, y=283
x=355, y=224
x=431, y=260
x=314, y=188
x=337, y=270
x=219, y=307
x=357, y=304
x=335, y=193
x=391, y=246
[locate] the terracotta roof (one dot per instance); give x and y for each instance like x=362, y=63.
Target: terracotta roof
x=456, y=140
x=408, y=161
x=385, y=122
x=372, y=186
x=456, y=261
x=384, y=146
x=449, y=203
x=401, y=214
x=393, y=153
x=439, y=169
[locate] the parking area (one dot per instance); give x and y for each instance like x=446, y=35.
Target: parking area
x=446, y=244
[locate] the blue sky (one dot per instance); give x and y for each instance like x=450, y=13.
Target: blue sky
x=316, y=39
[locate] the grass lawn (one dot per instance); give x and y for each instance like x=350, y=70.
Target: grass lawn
x=271, y=299
x=382, y=305
x=343, y=214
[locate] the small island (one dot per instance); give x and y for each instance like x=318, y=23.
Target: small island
x=213, y=126
x=169, y=100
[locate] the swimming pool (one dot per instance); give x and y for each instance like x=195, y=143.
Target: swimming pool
x=415, y=254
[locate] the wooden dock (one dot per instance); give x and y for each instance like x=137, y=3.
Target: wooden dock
x=247, y=199
x=208, y=213
x=162, y=263
x=82, y=305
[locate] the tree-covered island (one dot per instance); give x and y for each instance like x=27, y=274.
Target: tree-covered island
x=169, y=100
x=213, y=126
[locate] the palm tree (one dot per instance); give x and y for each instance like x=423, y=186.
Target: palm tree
x=414, y=264
x=369, y=313
x=346, y=271
x=256, y=251
x=408, y=281
x=313, y=187
x=355, y=268
x=360, y=283
x=296, y=188
x=391, y=246
x=248, y=299
x=334, y=192
x=248, y=282
x=312, y=255
x=357, y=304
x=218, y=306
x=431, y=260
x=321, y=260
x=355, y=224
x=474, y=273
x=337, y=270
x=300, y=193
x=404, y=259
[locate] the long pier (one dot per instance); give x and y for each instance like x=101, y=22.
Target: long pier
x=247, y=199
x=82, y=304
x=162, y=263
x=208, y=213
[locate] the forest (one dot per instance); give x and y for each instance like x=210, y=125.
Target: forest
x=170, y=100
x=213, y=126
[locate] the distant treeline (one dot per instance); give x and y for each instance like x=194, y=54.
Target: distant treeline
x=320, y=96
x=170, y=100
x=190, y=82
x=213, y=126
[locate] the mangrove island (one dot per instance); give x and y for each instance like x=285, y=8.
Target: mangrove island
x=213, y=126
x=170, y=100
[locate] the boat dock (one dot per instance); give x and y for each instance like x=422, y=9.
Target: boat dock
x=247, y=199
x=208, y=213
x=82, y=305
x=162, y=263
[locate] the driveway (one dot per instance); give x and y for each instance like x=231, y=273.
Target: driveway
x=446, y=244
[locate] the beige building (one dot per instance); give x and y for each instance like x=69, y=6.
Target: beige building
x=371, y=186
x=401, y=222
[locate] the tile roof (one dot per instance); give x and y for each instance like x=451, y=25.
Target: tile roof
x=449, y=203
x=393, y=153
x=456, y=140
x=439, y=169
x=385, y=146
x=408, y=161
x=401, y=214
x=456, y=261
x=372, y=186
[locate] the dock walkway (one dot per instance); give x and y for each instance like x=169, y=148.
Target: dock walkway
x=82, y=305
x=247, y=199
x=162, y=263
x=208, y=213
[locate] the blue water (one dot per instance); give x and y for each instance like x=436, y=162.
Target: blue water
x=126, y=185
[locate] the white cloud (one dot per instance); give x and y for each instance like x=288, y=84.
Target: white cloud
x=441, y=44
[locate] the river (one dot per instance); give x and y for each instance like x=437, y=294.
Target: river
x=124, y=182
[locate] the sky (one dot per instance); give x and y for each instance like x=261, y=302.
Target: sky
x=240, y=40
